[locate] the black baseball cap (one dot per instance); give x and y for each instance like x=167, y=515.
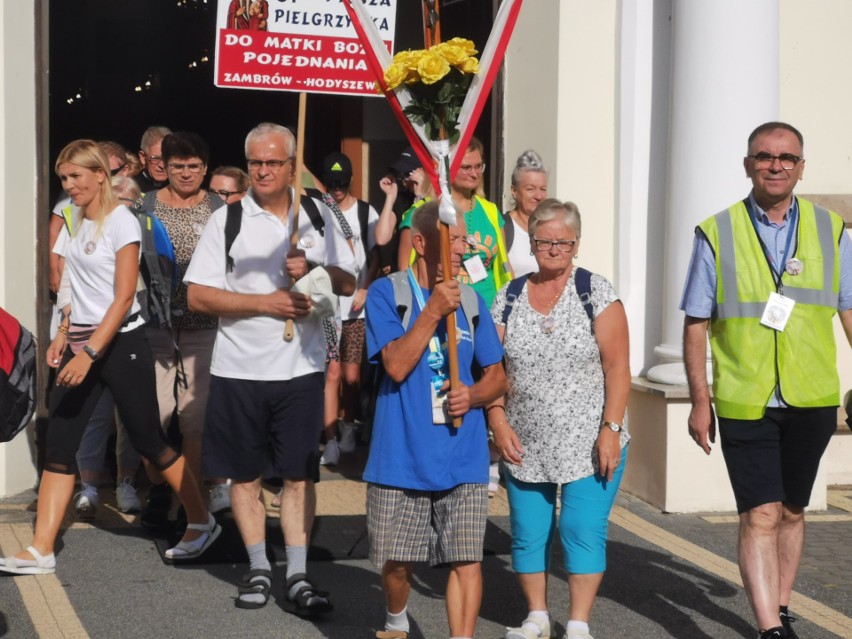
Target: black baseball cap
x=336, y=168
x=407, y=162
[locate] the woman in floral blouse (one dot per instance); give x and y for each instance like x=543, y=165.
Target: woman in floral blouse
x=562, y=424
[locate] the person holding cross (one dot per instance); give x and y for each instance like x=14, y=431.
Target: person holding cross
x=427, y=478
x=264, y=412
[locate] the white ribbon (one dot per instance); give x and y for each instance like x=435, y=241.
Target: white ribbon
x=446, y=210
x=317, y=285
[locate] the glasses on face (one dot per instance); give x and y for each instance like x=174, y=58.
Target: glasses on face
x=153, y=159
x=117, y=169
x=473, y=168
x=338, y=186
x=563, y=246
x=226, y=194
x=272, y=165
x=180, y=167
x=788, y=161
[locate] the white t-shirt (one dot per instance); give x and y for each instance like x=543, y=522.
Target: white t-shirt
x=519, y=255
x=351, y=215
x=253, y=347
x=90, y=263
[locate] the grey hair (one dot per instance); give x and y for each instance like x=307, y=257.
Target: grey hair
x=550, y=209
x=425, y=218
x=268, y=128
x=152, y=135
x=529, y=160
x=125, y=188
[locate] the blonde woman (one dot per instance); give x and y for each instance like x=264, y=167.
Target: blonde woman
x=101, y=345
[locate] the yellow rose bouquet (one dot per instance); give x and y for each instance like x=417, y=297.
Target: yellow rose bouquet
x=437, y=80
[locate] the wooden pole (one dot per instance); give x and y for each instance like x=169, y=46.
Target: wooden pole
x=289, y=326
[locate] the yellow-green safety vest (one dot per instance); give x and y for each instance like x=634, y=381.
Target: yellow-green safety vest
x=749, y=359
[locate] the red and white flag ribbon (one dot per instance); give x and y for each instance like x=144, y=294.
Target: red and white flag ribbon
x=430, y=152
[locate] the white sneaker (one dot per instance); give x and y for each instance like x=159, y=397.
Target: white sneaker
x=126, y=497
x=533, y=627
x=86, y=502
x=347, y=437
x=331, y=455
x=220, y=497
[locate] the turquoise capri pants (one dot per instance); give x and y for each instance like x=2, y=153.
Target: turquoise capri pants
x=583, y=521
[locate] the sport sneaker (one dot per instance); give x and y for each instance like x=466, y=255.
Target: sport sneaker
x=786, y=620
x=220, y=497
x=533, y=626
x=347, y=437
x=331, y=454
x=126, y=497
x=777, y=632
x=86, y=502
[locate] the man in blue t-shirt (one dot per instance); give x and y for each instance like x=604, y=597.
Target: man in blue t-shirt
x=427, y=498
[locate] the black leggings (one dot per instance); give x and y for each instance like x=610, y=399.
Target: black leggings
x=127, y=369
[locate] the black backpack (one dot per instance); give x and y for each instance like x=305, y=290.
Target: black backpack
x=17, y=376
x=234, y=221
x=582, y=281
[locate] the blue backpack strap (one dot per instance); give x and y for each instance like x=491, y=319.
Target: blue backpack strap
x=583, y=282
x=512, y=292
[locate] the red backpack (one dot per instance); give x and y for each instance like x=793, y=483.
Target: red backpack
x=17, y=376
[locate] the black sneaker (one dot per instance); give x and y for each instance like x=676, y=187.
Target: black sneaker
x=786, y=620
x=777, y=632
x=155, y=514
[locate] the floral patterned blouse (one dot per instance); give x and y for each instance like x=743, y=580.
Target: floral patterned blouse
x=556, y=384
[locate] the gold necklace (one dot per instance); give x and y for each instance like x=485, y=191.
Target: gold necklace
x=548, y=324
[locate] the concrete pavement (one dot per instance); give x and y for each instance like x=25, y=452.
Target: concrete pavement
x=668, y=576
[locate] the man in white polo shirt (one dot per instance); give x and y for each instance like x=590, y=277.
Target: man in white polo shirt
x=265, y=410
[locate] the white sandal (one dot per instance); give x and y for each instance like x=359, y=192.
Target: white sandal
x=40, y=565
x=195, y=548
x=531, y=628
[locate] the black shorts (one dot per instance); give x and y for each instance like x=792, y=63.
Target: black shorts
x=255, y=428
x=776, y=458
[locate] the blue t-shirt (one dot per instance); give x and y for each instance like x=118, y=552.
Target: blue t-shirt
x=407, y=450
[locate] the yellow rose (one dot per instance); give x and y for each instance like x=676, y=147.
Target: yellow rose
x=432, y=67
x=469, y=65
x=409, y=59
x=464, y=44
x=454, y=55
x=396, y=74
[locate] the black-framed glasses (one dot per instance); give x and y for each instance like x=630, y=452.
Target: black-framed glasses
x=788, y=161
x=226, y=194
x=180, y=167
x=117, y=169
x=563, y=246
x=338, y=186
x=272, y=165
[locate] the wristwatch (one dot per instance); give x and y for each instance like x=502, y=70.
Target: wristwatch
x=91, y=352
x=615, y=428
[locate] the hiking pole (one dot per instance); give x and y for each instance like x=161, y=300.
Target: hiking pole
x=289, y=326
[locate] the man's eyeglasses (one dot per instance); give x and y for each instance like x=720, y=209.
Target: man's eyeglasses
x=473, y=168
x=153, y=159
x=272, y=165
x=563, y=246
x=788, y=161
x=117, y=169
x=176, y=167
x=226, y=194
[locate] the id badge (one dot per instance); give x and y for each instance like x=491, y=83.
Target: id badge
x=439, y=406
x=777, y=312
x=475, y=269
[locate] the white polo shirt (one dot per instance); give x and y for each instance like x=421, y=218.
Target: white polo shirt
x=253, y=347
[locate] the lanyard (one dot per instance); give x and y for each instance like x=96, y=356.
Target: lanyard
x=793, y=224
x=436, y=357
